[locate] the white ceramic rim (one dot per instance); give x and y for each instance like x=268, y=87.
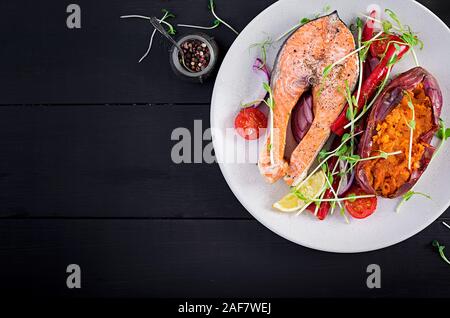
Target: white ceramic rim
x=401, y=238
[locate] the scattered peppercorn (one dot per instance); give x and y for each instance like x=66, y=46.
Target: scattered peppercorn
x=196, y=54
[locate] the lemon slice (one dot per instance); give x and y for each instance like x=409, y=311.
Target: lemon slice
x=310, y=189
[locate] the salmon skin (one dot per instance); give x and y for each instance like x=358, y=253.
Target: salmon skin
x=298, y=68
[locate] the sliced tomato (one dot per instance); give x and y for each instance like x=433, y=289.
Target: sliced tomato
x=360, y=208
x=379, y=46
x=249, y=122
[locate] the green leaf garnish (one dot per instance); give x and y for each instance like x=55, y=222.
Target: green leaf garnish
x=263, y=48
x=211, y=7
x=305, y=20
x=351, y=197
x=387, y=26
x=408, y=195
x=443, y=133
x=359, y=23
x=441, y=251
x=166, y=16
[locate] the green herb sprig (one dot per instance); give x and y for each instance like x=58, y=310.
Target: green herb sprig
x=303, y=21
x=171, y=30
x=216, y=23
x=412, y=126
x=263, y=46
x=327, y=69
x=408, y=195
x=443, y=134
x=441, y=251
x=406, y=34
x=211, y=6
x=270, y=102
x=348, y=198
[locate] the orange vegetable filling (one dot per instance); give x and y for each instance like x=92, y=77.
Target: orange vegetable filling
x=393, y=134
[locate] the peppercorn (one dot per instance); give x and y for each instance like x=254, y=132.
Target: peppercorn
x=196, y=54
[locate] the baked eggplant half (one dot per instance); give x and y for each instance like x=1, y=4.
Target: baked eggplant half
x=403, y=119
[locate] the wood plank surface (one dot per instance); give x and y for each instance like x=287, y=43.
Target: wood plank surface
x=99, y=62
x=86, y=175
x=106, y=161
x=204, y=258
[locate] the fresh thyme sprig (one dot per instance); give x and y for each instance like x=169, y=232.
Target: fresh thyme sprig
x=171, y=30
x=408, y=195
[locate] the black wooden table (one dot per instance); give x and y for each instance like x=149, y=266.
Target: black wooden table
x=86, y=175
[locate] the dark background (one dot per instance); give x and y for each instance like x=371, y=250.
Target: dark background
x=86, y=175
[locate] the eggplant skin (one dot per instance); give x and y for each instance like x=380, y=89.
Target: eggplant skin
x=385, y=103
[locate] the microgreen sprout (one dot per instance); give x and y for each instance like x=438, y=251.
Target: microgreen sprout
x=354, y=159
x=263, y=47
x=348, y=198
x=329, y=185
x=171, y=30
x=252, y=103
x=443, y=133
x=270, y=102
x=304, y=20
x=352, y=105
x=367, y=107
x=412, y=126
x=362, y=58
x=216, y=23
x=408, y=196
x=406, y=34
x=211, y=6
x=327, y=70
x=441, y=251
x=328, y=155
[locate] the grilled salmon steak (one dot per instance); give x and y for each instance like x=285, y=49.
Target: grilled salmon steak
x=299, y=67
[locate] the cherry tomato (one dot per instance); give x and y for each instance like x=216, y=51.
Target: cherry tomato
x=360, y=208
x=248, y=123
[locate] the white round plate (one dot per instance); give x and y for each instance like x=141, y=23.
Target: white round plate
x=385, y=227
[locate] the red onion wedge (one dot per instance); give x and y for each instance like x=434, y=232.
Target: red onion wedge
x=256, y=91
x=369, y=66
x=346, y=180
x=302, y=116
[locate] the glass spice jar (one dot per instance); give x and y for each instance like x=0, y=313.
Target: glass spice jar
x=200, y=54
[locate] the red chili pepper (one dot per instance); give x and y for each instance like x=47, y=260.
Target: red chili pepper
x=368, y=29
x=324, y=207
x=370, y=85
